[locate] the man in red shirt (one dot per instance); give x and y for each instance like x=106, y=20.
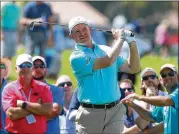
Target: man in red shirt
x=26, y=102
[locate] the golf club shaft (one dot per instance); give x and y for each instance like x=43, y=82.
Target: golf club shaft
x=31, y=26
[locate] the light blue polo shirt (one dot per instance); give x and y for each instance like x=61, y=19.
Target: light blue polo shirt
x=10, y=16
x=95, y=86
x=168, y=114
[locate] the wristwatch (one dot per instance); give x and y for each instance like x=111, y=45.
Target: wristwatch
x=24, y=105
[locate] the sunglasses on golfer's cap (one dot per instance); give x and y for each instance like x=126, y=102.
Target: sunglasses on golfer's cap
x=65, y=83
x=2, y=66
x=149, y=76
x=23, y=65
x=170, y=74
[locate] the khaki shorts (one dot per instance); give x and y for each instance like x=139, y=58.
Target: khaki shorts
x=91, y=120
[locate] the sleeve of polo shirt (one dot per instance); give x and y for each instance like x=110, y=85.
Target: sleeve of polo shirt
x=8, y=98
x=120, y=62
x=81, y=64
x=174, y=97
x=47, y=95
x=157, y=114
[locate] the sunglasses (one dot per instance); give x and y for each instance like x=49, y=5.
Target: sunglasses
x=39, y=66
x=23, y=65
x=2, y=66
x=149, y=76
x=170, y=74
x=63, y=84
x=128, y=89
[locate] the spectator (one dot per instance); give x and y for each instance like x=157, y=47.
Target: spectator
x=73, y=107
x=26, y=101
x=56, y=51
x=66, y=126
x=161, y=38
x=38, y=11
x=150, y=86
x=167, y=106
x=5, y=67
x=95, y=65
x=126, y=86
x=39, y=72
x=10, y=17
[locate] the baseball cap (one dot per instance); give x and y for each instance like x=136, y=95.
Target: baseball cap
x=170, y=66
x=147, y=69
x=23, y=58
x=75, y=21
x=39, y=58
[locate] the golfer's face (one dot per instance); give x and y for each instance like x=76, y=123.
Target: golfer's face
x=81, y=33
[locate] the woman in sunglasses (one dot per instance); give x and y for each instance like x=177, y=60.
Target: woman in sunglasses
x=66, y=126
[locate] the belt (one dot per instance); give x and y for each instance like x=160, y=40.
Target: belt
x=104, y=106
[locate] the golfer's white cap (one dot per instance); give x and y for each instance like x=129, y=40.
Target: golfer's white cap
x=23, y=58
x=39, y=58
x=170, y=66
x=75, y=21
x=147, y=69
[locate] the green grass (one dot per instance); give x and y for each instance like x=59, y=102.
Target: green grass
x=147, y=61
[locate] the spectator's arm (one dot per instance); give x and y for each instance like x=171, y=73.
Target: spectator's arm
x=131, y=130
x=39, y=109
x=15, y=113
x=147, y=115
x=158, y=129
x=43, y=106
x=158, y=100
x=56, y=110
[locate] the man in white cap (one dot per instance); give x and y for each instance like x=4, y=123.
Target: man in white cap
x=95, y=67
x=167, y=106
x=26, y=101
x=39, y=72
x=5, y=67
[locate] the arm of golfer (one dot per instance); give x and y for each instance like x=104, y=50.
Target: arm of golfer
x=113, y=54
x=15, y=113
x=133, y=64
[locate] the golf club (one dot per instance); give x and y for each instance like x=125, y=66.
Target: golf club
x=31, y=27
